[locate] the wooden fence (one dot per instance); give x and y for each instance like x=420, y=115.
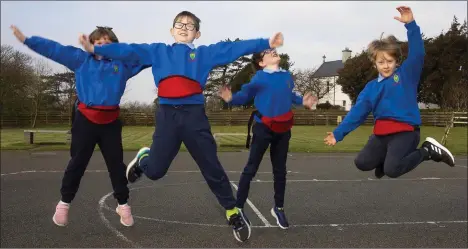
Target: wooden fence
x=302, y=117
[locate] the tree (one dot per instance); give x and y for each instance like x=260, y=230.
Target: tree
x=38, y=87
x=15, y=73
x=64, y=91
x=305, y=82
x=355, y=74
x=444, y=67
x=222, y=75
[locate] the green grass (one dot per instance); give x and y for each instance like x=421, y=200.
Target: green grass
x=304, y=139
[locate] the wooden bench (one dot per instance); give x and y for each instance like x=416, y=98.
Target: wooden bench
x=29, y=135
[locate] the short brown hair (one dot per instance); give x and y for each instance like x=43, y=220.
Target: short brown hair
x=100, y=32
x=190, y=15
x=256, y=59
x=390, y=44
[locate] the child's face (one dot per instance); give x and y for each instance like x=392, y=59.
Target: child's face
x=103, y=40
x=385, y=64
x=270, y=58
x=184, y=30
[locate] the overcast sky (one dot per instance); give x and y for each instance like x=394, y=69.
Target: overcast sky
x=311, y=29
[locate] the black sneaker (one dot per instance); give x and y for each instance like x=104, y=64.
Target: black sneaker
x=280, y=217
x=240, y=228
x=379, y=172
x=437, y=152
x=244, y=216
x=133, y=168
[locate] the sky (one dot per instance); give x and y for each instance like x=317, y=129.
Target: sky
x=310, y=29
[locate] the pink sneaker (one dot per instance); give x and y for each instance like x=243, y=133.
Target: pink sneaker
x=61, y=214
x=125, y=213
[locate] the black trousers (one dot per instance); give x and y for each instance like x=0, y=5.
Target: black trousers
x=188, y=124
x=85, y=136
x=396, y=153
x=262, y=138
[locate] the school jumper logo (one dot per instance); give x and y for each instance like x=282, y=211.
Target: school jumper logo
x=192, y=56
x=396, y=78
x=116, y=69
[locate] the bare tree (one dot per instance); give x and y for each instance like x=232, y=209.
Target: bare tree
x=38, y=86
x=305, y=82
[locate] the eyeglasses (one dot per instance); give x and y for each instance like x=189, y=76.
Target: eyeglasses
x=188, y=26
x=104, y=27
x=268, y=51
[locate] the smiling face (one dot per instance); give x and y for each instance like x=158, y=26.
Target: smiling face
x=385, y=54
x=269, y=58
x=385, y=64
x=185, y=30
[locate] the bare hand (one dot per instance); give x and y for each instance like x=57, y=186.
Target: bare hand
x=276, y=40
x=309, y=100
x=19, y=35
x=225, y=93
x=330, y=139
x=84, y=41
x=406, y=14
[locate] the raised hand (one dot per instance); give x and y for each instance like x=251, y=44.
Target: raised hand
x=309, y=100
x=276, y=40
x=84, y=41
x=225, y=93
x=406, y=14
x=330, y=139
x=19, y=35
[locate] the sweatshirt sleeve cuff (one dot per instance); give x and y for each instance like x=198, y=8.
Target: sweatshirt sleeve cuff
x=411, y=25
x=28, y=41
x=338, y=136
x=265, y=43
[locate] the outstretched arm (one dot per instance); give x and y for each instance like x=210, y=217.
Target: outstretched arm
x=142, y=53
x=413, y=65
x=136, y=68
x=69, y=56
x=356, y=116
x=223, y=53
x=297, y=99
x=247, y=92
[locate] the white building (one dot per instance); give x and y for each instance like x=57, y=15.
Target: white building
x=328, y=73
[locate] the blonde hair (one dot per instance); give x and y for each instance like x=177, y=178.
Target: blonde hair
x=390, y=44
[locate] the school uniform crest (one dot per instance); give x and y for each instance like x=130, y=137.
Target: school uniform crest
x=192, y=55
x=396, y=78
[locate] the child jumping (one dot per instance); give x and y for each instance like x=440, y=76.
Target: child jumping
x=392, y=98
x=272, y=88
x=100, y=84
x=180, y=72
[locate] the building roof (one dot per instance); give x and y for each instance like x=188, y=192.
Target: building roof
x=329, y=69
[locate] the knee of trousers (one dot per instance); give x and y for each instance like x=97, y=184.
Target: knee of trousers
x=364, y=165
x=279, y=174
x=155, y=173
x=392, y=171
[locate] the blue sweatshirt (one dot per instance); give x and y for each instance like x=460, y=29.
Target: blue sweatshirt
x=182, y=60
x=273, y=93
x=394, y=97
x=98, y=82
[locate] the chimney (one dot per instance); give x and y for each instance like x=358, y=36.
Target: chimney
x=346, y=55
x=324, y=57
